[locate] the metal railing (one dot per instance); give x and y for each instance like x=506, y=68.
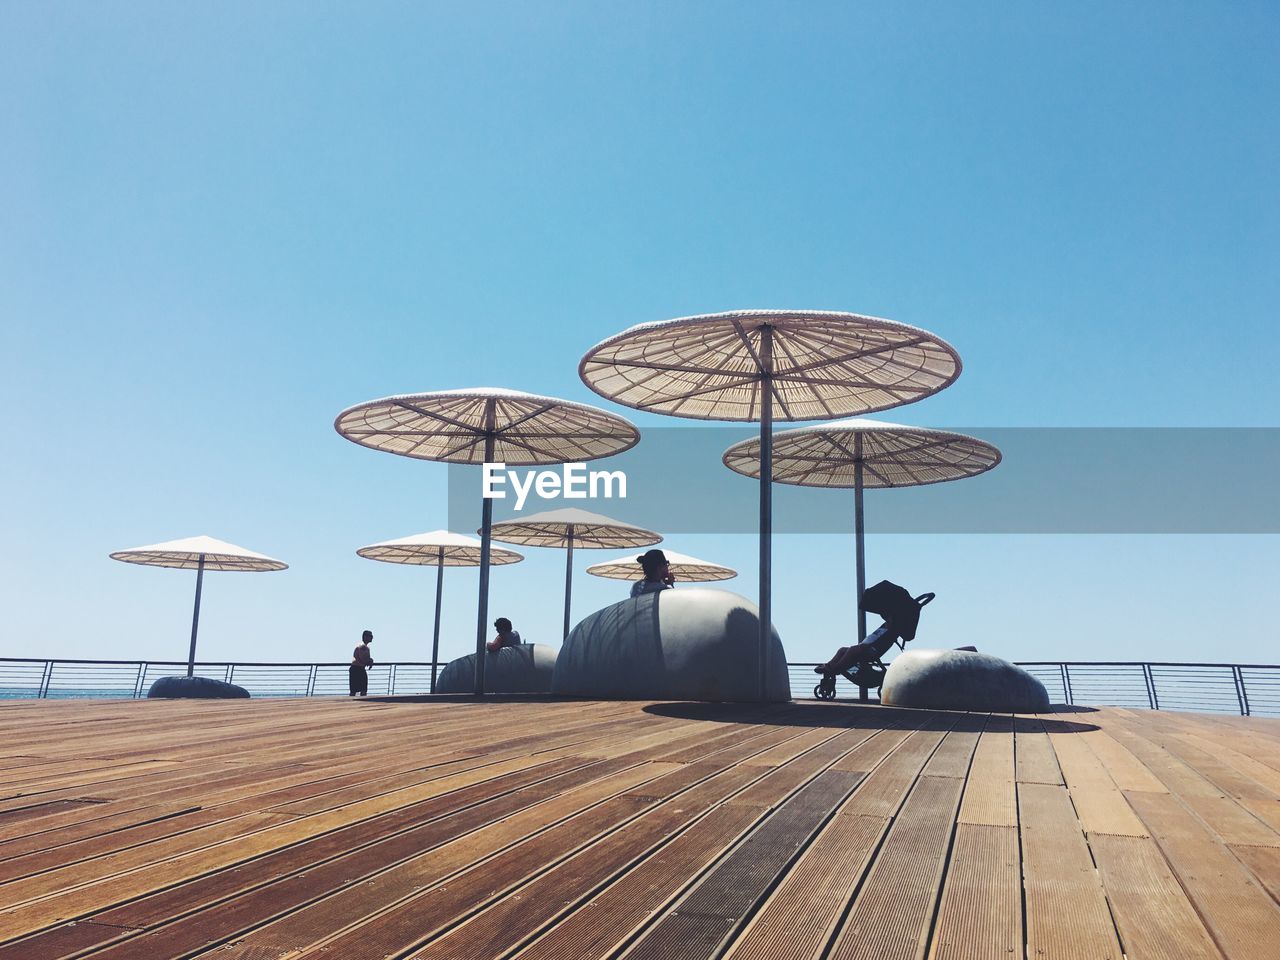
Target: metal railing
x=1248, y=689
x=131, y=679
x=1238, y=688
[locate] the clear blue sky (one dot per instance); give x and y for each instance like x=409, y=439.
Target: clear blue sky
x=220, y=224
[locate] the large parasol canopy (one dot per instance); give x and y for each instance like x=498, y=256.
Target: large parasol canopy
x=758, y=365
x=865, y=453
x=686, y=569
x=438, y=549
x=569, y=529
x=486, y=425
x=199, y=554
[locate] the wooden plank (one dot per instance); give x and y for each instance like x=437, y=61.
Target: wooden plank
x=1237, y=910
x=1035, y=761
x=503, y=923
x=886, y=786
x=1126, y=770
x=1259, y=772
x=891, y=916
x=1067, y=914
x=17, y=896
x=799, y=917
x=217, y=830
x=507, y=923
x=108, y=889
x=988, y=795
x=1264, y=864
x=718, y=903
x=1247, y=791
x=865, y=758
x=222, y=917
x=980, y=917
x=1153, y=914
x=498, y=861
x=1101, y=806
x=66, y=941
x=49, y=839
x=38, y=809
x=407, y=922
x=955, y=753
x=783, y=752
x=88, y=782
x=351, y=907
x=791, y=775
x=1231, y=821
x=598, y=927
x=362, y=849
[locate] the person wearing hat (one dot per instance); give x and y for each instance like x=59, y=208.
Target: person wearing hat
x=657, y=574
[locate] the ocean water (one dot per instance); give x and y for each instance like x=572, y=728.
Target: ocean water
x=95, y=693
x=29, y=693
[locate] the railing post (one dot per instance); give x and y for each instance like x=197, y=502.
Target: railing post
x=137, y=684
x=231, y=672
x=1066, y=684
x=45, y=676
x=311, y=680
x=1241, y=695
x=391, y=682
x=1151, y=685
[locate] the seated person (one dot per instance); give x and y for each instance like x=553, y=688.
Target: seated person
x=846, y=658
x=657, y=574
x=901, y=617
x=506, y=636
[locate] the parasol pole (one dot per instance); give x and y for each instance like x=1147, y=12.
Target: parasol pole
x=766, y=501
x=435, y=640
x=568, y=582
x=195, y=619
x=858, y=533
x=860, y=547
x=486, y=535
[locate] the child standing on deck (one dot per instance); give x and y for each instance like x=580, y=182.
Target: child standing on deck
x=361, y=661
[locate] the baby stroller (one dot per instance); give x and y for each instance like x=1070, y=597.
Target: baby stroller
x=901, y=613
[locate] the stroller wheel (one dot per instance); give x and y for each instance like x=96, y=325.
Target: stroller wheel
x=826, y=690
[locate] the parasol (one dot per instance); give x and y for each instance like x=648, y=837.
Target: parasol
x=486, y=425
x=684, y=568
x=438, y=549
x=569, y=529
x=865, y=453
x=199, y=554
x=741, y=365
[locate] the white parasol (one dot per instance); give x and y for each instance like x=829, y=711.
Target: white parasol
x=438, y=549
x=199, y=554
x=758, y=365
x=486, y=425
x=684, y=568
x=568, y=529
x=865, y=453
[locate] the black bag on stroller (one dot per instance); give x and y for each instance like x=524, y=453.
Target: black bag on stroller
x=901, y=613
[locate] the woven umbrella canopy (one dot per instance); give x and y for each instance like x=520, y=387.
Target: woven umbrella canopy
x=486, y=425
x=438, y=549
x=683, y=568
x=761, y=365
x=865, y=453
x=569, y=529
x=199, y=554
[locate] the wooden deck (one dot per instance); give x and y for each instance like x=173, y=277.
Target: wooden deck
x=260, y=829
